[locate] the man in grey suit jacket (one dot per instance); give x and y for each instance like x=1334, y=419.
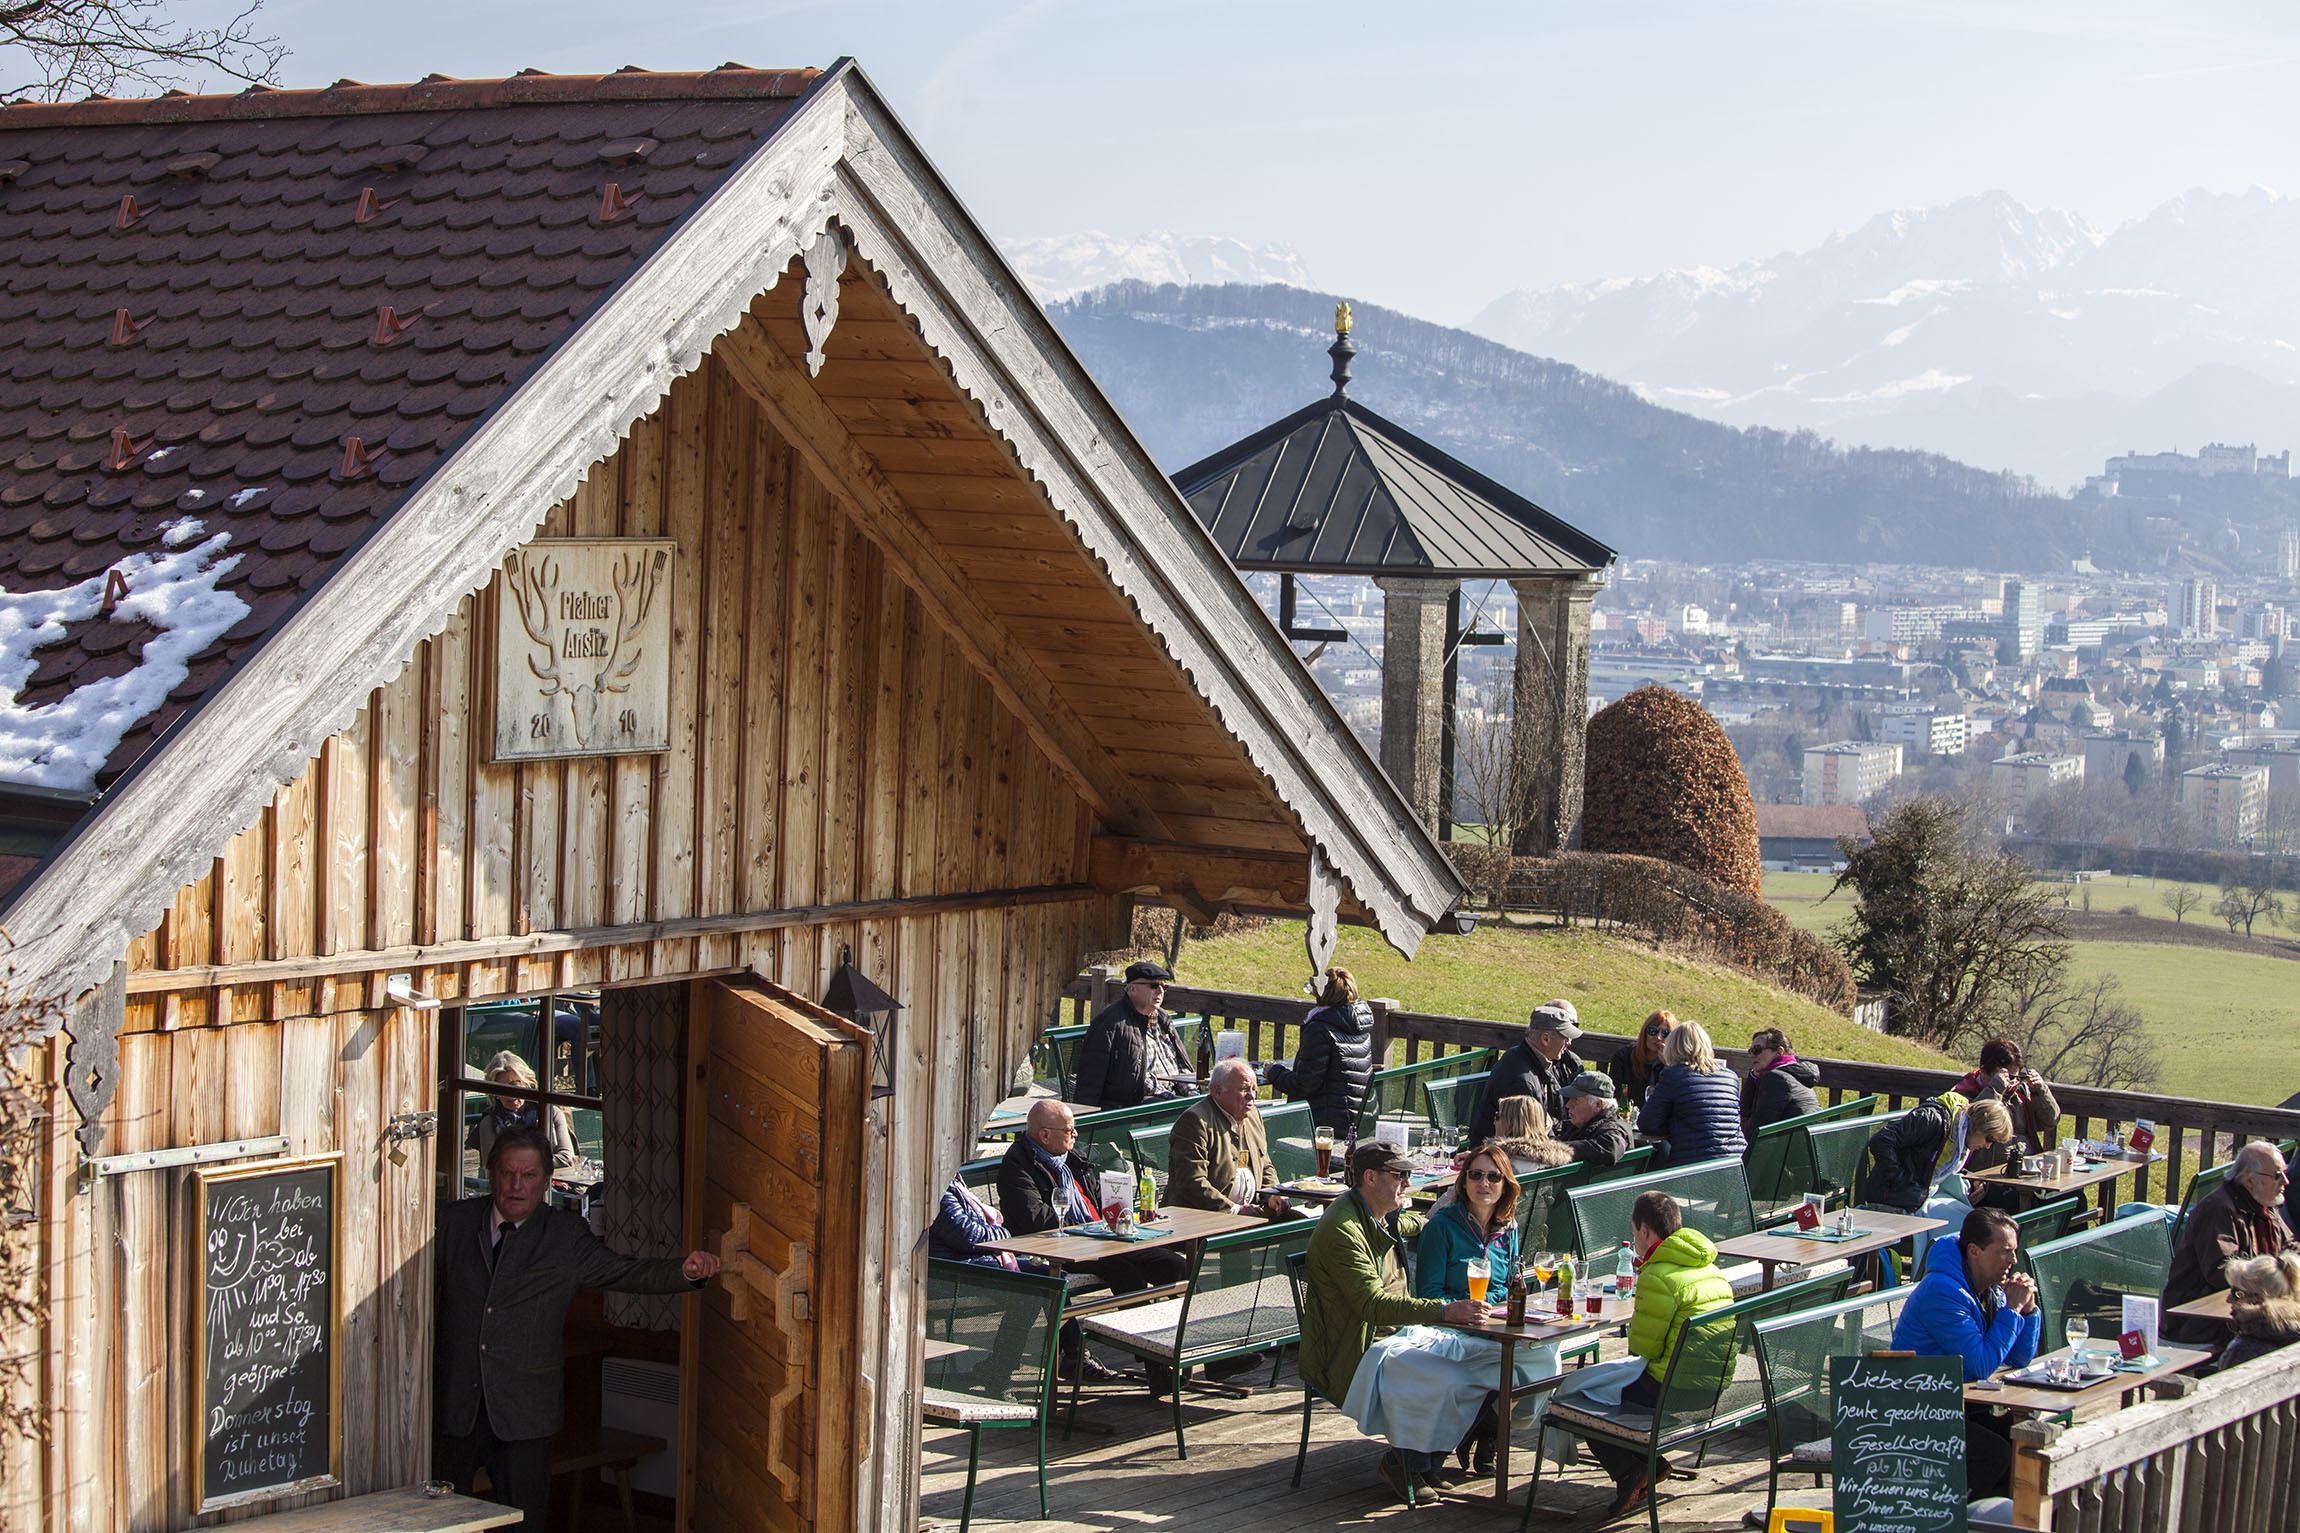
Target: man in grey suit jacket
x=507, y=1266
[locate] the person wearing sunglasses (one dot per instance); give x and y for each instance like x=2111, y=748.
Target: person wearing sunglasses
x=1477, y=1222
x=2242, y=1217
x=1636, y=1068
x=1780, y=1084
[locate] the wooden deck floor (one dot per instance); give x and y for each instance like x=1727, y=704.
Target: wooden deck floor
x=1242, y=1461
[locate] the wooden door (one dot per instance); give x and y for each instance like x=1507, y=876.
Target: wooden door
x=775, y=1184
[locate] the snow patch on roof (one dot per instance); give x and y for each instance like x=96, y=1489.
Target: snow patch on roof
x=64, y=744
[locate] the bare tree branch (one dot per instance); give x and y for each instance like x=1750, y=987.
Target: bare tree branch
x=2086, y=1034
x=53, y=50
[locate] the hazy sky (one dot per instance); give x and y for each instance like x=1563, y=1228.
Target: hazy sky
x=1431, y=155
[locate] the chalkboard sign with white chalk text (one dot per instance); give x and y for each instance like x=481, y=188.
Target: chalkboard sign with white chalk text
x=1897, y=1431
x=268, y=1405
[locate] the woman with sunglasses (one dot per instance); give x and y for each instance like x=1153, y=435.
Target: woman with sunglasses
x=1475, y=1222
x=1636, y=1068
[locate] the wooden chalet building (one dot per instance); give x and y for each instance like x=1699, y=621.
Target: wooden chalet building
x=622, y=543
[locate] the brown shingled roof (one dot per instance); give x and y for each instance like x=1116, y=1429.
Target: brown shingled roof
x=211, y=275
x=1813, y=821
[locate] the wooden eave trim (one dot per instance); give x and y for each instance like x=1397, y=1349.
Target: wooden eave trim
x=546, y=944
x=165, y=823
x=977, y=317
x=782, y=392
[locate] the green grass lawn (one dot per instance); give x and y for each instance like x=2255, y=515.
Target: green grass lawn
x=2226, y=1021
x=1503, y=973
x=1804, y=898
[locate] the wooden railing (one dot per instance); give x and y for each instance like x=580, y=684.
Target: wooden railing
x=2192, y=1134
x=2212, y=1456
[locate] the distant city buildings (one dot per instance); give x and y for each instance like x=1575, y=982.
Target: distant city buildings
x=1924, y=730
x=1848, y=771
x=2107, y=755
x=2195, y=609
x=2226, y=799
x=2216, y=460
x=2022, y=778
x=2023, y=618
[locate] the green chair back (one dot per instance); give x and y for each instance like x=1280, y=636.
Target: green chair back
x=1634, y=1162
x=1105, y=1136
x=1544, y=1212
x=1187, y=1032
x=1007, y=1321
x=1714, y=1383
x=981, y=1176
x=2202, y=1184
x=1293, y=1142
x=1713, y=1195
x=2046, y=1221
x=1780, y=1157
x=1397, y=1091
x=1449, y=1105
x=1054, y=1058
x=1837, y=1147
x=1150, y=1147
x=2089, y=1273
x=1793, y=1352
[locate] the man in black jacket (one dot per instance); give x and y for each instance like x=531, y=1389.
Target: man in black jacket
x=1595, y=1131
x=507, y=1266
x=1130, y=1054
x=1538, y=1066
x=1044, y=1184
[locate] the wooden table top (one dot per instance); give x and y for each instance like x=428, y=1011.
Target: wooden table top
x=1787, y=1246
x=2116, y=1386
x=931, y=1349
x=1176, y=1226
x=2213, y=1306
x=1540, y=1329
x=403, y=1510
x=2091, y=1175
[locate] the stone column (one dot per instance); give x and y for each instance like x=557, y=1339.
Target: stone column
x=1552, y=709
x=1413, y=691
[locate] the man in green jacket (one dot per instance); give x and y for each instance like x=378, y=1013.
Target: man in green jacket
x=1356, y=1283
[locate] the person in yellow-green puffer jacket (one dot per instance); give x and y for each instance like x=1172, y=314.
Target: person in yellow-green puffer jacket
x=1677, y=1279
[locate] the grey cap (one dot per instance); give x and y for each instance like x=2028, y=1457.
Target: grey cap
x=1590, y=1084
x=1555, y=1017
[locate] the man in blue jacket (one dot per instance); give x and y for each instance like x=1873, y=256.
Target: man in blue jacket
x=1973, y=1304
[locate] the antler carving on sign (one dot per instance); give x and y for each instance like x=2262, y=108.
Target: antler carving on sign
x=637, y=579
x=532, y=582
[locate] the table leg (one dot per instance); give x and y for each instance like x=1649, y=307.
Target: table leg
x=1765, y=1283
x=1503, y=1415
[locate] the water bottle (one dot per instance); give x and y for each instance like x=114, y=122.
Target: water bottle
x=1625, y=1271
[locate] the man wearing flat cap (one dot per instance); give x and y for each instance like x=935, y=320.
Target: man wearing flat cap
x=1591, y=1128
x=1537, y=1065
x=1131, y=1053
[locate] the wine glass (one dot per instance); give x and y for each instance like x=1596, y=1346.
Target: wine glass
x=2078, y=1333
x=1543, y=1268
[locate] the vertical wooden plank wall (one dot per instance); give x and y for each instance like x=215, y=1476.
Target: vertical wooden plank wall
x=829, y=744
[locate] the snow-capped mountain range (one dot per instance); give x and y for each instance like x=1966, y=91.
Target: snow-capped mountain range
x=1066, y=264
x=2003, y=335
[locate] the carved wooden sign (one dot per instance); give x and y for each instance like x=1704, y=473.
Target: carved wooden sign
x=583, y=649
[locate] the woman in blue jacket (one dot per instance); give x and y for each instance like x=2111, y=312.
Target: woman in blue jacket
x=1696, y=1102
x=1477, y=1221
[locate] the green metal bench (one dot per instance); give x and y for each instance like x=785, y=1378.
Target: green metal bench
x=2089, y=1274
x=1713, y=1195
x=1544, y=1212
x=1713, y=1385
x=1293, y=1140
x=1239, y=1303
x=1397, y=1091
x=1005, y=1379
x=1793, y=1353
x=1449, y=1105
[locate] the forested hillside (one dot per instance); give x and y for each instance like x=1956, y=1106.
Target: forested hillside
x=1195, y=368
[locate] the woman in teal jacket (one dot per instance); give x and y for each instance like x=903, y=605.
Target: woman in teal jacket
x=1476, y=1222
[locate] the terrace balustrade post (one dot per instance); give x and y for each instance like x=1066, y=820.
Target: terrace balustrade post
x=2032, y=1496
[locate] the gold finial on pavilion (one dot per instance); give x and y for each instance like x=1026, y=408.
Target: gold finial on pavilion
x=1342, y=350
x=1341, y=319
